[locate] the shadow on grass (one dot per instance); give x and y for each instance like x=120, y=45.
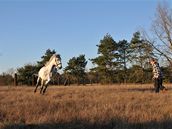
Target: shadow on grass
x=141, y=89
x=80, y=124
x=146, y=89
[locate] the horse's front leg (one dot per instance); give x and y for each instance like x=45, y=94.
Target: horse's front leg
x=46, y=85
x=42, y=86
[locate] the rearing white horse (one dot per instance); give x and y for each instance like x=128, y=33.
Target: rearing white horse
x=45, y=73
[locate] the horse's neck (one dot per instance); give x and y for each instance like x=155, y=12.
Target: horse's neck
x=49, y=67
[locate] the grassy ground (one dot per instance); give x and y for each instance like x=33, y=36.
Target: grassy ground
x=86, y=107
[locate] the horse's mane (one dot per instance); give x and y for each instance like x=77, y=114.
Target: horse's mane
x=48, y=62
x=52, y=57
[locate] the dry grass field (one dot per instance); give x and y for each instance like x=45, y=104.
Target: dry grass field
x=86, y=107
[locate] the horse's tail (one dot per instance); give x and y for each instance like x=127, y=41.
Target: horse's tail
x=36, y=75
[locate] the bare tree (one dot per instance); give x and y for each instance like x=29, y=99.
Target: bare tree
x=162, y=31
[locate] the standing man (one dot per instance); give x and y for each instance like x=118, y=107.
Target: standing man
x=157, y=76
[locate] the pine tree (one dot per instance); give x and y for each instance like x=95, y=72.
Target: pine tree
x=106, y=62
x=76, y=68
x=141, y=50
x=124, y=57
x=141, y=53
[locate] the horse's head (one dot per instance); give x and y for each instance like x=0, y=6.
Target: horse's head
x=58, y=63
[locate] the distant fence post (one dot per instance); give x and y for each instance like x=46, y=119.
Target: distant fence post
x=15, y=79
x=58, y=80
x=33, y=80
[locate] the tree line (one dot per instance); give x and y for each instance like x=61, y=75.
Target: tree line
x=117, y=61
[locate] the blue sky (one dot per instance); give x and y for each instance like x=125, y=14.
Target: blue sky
x=71, y=27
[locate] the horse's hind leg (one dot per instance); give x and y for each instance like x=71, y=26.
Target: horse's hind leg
x=46, y=85
x=45, y=89
x=37, y=84
x=42, y=86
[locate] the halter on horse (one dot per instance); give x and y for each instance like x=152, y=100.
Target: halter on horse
x=45, y=73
